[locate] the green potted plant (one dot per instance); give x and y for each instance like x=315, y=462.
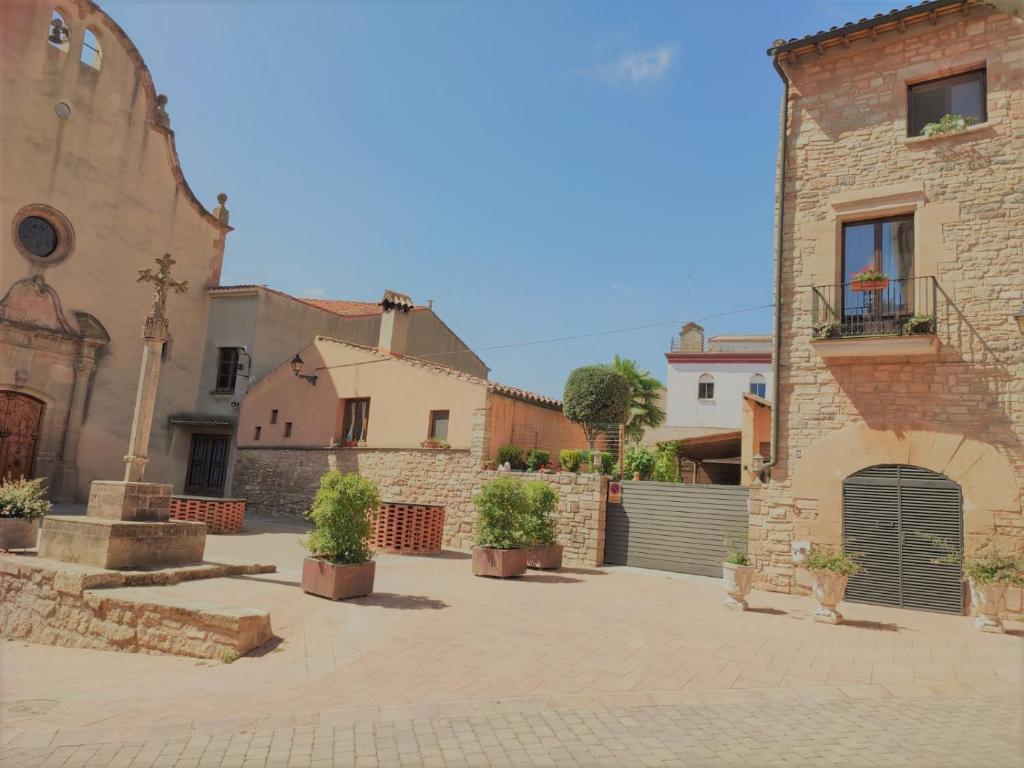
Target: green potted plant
x=569, y=459
x=500, y=547
x=737, y=576
x=829, y=330
x=343, y=514
x=539, y=526
x=921, y=324
x=537, y=459
x=869, y=279
x=22, y=504
x=830, y=570
x=948, y=124
x=512, y=456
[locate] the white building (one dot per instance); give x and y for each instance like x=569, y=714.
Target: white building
x=705, y=387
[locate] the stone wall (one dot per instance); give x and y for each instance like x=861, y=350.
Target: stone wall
x=282, y=482
x=62, y=604
x=961, y=413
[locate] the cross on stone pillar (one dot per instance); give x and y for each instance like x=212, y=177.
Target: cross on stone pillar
x=154, y=335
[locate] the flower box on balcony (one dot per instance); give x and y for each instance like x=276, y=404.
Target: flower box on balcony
x=869, y=279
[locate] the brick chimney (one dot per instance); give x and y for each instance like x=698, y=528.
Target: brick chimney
x=394, y=322
x=691, y=338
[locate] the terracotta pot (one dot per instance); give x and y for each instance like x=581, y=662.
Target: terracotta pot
x=989, y=600
x=18, y=533
x=500, y=563
x=337, y=582
x=869, y=285
x=545, y=557
x=737, y=580
x=829, y=589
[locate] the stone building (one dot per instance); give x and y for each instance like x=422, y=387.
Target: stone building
x=900, y=399
x=92, y=191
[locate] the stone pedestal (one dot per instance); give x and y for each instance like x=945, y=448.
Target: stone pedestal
x=126, y=526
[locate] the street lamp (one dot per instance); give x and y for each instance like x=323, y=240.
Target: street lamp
x=297, y=370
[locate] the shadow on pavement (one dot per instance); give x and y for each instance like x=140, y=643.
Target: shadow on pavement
x=405, y=602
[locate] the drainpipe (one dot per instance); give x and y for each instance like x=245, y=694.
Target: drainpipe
x=780, y=206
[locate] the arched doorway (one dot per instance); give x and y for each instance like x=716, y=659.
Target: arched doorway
x=890, y=514
x=20, y=417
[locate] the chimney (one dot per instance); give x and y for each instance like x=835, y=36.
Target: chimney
x=691, y=338
x=394, y=322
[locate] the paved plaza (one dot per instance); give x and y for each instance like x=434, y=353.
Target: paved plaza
x=580, y=667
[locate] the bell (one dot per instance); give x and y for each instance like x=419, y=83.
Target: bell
x=58, y=32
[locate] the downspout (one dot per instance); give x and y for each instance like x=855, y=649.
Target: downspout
x=780, y=206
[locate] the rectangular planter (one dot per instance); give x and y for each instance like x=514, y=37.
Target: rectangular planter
x=545, y=558
x=18, y=533
x=857, y=286
x=500, y=563
x=337, y=582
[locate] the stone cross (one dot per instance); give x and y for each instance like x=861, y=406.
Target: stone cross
x=154, y=335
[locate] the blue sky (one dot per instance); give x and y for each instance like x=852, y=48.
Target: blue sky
x=538, y=169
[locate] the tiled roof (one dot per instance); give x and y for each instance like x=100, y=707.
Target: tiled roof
x=869, y=27
x=658, y=435
x=522, y=394
x=342, y=307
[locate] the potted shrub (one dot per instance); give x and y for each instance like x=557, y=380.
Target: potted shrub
x=570, y=459
x=537, y=459
x=539, y=526
x=948, y=124
x=22, y=503
x=869, y=279
x=513, y=456
x=343, y=513
x=830, y=570
x=921, y=324
x=829, y=330
x=737, y=578
x=499, y=549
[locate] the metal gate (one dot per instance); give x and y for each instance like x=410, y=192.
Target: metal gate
x=890, y=512
x=676, y=527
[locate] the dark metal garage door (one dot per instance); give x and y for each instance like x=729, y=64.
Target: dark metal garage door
x=886, y=509
x=675, y=527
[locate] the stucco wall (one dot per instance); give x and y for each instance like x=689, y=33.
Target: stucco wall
x=402, y=393
x=732, y=380
x=113, y=173
x=961, y=414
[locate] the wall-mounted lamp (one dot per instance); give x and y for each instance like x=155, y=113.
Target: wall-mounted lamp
x=1020, y=318
x=297, y=370
x=757, y=463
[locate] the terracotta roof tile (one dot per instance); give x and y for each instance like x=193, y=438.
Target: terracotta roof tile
x=522, y=394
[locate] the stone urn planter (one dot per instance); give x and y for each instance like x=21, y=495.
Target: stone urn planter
x=989, y=600
x=18, y=533
x=737, y=580
x=545, y=557
x=829, y=588
x=337, y=582
x=499, y=563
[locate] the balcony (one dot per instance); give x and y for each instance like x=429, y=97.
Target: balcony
x=895, y=318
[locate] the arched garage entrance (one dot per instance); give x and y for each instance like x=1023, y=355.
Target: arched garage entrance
x=886, y=509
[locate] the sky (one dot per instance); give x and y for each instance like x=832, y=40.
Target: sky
x=539, y=170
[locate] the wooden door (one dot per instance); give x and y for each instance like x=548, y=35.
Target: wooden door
x=20, y=417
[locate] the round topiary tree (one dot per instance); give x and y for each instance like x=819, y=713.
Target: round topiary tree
x=596, y=397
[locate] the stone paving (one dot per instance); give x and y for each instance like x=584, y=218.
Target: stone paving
x=482, y=672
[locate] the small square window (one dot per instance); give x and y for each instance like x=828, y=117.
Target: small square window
x=256, y=434
x=962, y=95
x=273, y=416
x=287, y=429
x=438, y=425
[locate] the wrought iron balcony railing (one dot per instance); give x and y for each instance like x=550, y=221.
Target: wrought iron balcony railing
x=887, y=308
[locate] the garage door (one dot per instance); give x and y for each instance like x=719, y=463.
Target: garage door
x=675, y=527
x=891, y=514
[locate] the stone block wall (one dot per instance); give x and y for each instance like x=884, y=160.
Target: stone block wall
x=282, y=482
x=962, y=413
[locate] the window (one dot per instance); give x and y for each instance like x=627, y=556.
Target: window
x=273, y=416
x=59, y=32
x=356, y=417
x=706, y=387
x=958, y=95
x=438, y=425
x=758, y=385
x=886, y=245
x=256, y=433
x=287, y=429
x=227, y=369
x=92, y=54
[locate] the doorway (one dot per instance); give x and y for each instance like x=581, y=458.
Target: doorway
x=207, y=465
x=20, y=418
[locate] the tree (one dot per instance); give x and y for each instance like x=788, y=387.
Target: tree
x=644, y=388
x=597, y=398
